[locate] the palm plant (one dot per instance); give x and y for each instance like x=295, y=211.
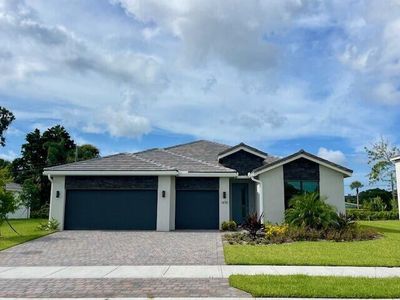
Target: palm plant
x=356, y=185
x=311, y=211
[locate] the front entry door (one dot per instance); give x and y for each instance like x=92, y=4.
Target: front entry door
x=240, y=202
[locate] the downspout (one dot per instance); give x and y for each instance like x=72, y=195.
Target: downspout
x=51, y=193
x=261, y=204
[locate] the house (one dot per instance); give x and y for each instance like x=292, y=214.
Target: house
x=197, y=185
x=396, y=161
x=22, y=212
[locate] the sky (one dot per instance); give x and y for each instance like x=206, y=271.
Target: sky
x=280, y=75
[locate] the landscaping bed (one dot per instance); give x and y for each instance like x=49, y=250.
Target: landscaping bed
x=383, y=251
x=27, y=230
x=316, y=286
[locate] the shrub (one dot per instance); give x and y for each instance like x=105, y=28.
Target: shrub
x=253, y=224
x=310, y=210
x=41, y=213
x=229, y=226
x=375, y=204
x=50, y=225
x=276, y=230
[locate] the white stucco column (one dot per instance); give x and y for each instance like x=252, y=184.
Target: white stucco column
x=273, y=195
x=398, y=183
x=223, y=201
x=165, y=203
x=331, y=185
x=57, y=200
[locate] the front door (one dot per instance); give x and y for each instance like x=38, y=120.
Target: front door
x=240, y=201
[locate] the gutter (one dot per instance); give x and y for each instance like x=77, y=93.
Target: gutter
x=252, y=177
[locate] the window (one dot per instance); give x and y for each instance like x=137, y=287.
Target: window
x=298, y=187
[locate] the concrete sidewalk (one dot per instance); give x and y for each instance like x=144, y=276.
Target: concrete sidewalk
x=192, y=271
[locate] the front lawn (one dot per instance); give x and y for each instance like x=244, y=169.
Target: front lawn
x=384, y=251
x=316, y=286
x=26, y=228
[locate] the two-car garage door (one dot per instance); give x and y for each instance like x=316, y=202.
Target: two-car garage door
x=113, y=203
x=111, y=209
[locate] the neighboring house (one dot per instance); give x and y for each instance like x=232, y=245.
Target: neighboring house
x=22, y=212
x=196, y=185
x=396, y=161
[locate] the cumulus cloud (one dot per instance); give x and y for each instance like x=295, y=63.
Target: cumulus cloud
x=252, y=71
x=335, y=156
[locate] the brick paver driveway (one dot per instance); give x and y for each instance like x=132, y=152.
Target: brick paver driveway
x=84, y=248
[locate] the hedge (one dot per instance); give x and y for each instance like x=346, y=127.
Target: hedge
x=367, y=215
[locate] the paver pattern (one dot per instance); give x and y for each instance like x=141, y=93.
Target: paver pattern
x=106, y=248
x=63, y=288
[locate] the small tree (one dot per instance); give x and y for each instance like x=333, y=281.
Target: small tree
x=8, y=203
x=356, y=185
x=382, y=168
x=30, y=195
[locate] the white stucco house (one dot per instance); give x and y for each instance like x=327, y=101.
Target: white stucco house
x=22, y=212
x=396, y=161
x=197, y=185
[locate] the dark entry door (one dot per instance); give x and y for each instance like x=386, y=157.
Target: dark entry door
x=111, y=209
x=240, y=201
x=197, y=209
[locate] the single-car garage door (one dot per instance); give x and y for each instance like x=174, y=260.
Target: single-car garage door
x=197, y=203
x=111, y=202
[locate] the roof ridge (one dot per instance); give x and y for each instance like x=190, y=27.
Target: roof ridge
x=194, y=142
x=195, y=159
x=151, y=161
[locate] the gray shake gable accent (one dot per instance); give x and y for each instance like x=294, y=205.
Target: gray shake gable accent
x=196, y=185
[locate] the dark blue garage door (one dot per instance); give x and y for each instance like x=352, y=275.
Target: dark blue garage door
x=197, y=209
x=111, y=209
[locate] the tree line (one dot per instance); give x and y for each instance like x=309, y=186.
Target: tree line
x=52, y=147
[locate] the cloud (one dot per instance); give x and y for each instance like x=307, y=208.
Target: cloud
x=229, y=71
x=228, y=31
x=335, y=156
x=9, y=155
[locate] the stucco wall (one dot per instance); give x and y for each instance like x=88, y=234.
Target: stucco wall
x=57, y=204
x=331, y=185
x=398, y=182
x=164, y=203
x=273, y=195
x=224, y=203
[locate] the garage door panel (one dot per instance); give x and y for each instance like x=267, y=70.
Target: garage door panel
x=115, y=210
x=197, y=209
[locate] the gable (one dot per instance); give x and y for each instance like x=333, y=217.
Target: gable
x=242, y=161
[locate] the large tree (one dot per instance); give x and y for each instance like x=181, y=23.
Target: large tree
x=84, y=152
x=382, y=168
x=6, y=117
x=40, y=151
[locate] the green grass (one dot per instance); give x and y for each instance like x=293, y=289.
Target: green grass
x=384, y=251
x=316, y=286
x=26, y=228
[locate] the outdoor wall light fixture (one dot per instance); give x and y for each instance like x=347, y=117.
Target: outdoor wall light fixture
x=58, y=194
x=163, y=194
x=224, y=195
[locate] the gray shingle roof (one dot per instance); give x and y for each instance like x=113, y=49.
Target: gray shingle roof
x=200, y=156
x=117, y=162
